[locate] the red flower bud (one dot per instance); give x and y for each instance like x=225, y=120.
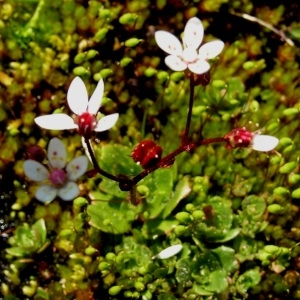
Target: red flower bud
x=147, y=153
x=238, y=137
x=36, y=153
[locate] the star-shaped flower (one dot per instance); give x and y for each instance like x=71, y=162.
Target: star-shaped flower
x=241, y=137
x=85, y=110
x=188, y=55
x=58, y=178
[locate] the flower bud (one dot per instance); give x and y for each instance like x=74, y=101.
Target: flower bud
x=114, y=290
x=288, y=167
x=147, y=153
x=132, y=42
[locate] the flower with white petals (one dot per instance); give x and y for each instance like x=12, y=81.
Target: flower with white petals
x=168, y=252
x=241, y=137
x=59, y=178
x=85, y=109
x=188, y=55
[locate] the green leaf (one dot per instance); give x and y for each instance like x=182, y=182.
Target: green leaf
x=217, y=282
x=16, y=251
x=160, y=184
x=227, y=258
x=248, y=280
x=254, y=207
x=112, y=217
x=182, y=189
x=40, y=231
x=183, y=270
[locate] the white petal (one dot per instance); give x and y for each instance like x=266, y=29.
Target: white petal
x=211, y=49
x=46, y=193
x=69, y=191
x=35, y=170
x=199, y=67
x=77, y=167
x=77, y=96
x=175, y=63
x=57, y=153
x=56, y=122
x=193, y=33
x=95, y=100
x=168, y=42
x=264, y=142
x=169, y=252
x=106, y=122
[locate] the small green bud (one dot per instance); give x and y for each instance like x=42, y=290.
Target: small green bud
x=104, y=13
x=275, y=209
x=285, y=141
x=90, y=250
x=162, y=76
x=219, y=84
x=65, y=232
x=254, y=106
x=198, y=110
x=142, y=270
x=14, y=132
x=97, y=77
x=293, y=178
x=273, y=126
x=281, y=191
x=183, y=217
x=139, y=286
x=132, y=42
x=114, y=290
x=249, y=65
x=190, y=207
x=80, y=202
x=100, y=35
x=92, y=53
x=288, y=167
x=103, y=266
x=110, y=256
x=296, y=194
x=128, y=18
x=125, y=61
x=106, y=72
x=128, y=294
x=275, y=160
x=287, y=150
x=271, y=249
x=80, y=71
x=16, y=206
x=143, y=190
x=198, y=215
x=176, y=76
x=149, y=72
x=291, y=111
x=80, y=58
x=179, y=230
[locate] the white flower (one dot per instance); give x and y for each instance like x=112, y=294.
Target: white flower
x=188, y=56
x=168, y=252
x=85, y=110
x=241, y=137
x=58, y=179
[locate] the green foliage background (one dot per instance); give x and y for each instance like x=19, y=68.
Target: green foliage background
x=236, y=212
